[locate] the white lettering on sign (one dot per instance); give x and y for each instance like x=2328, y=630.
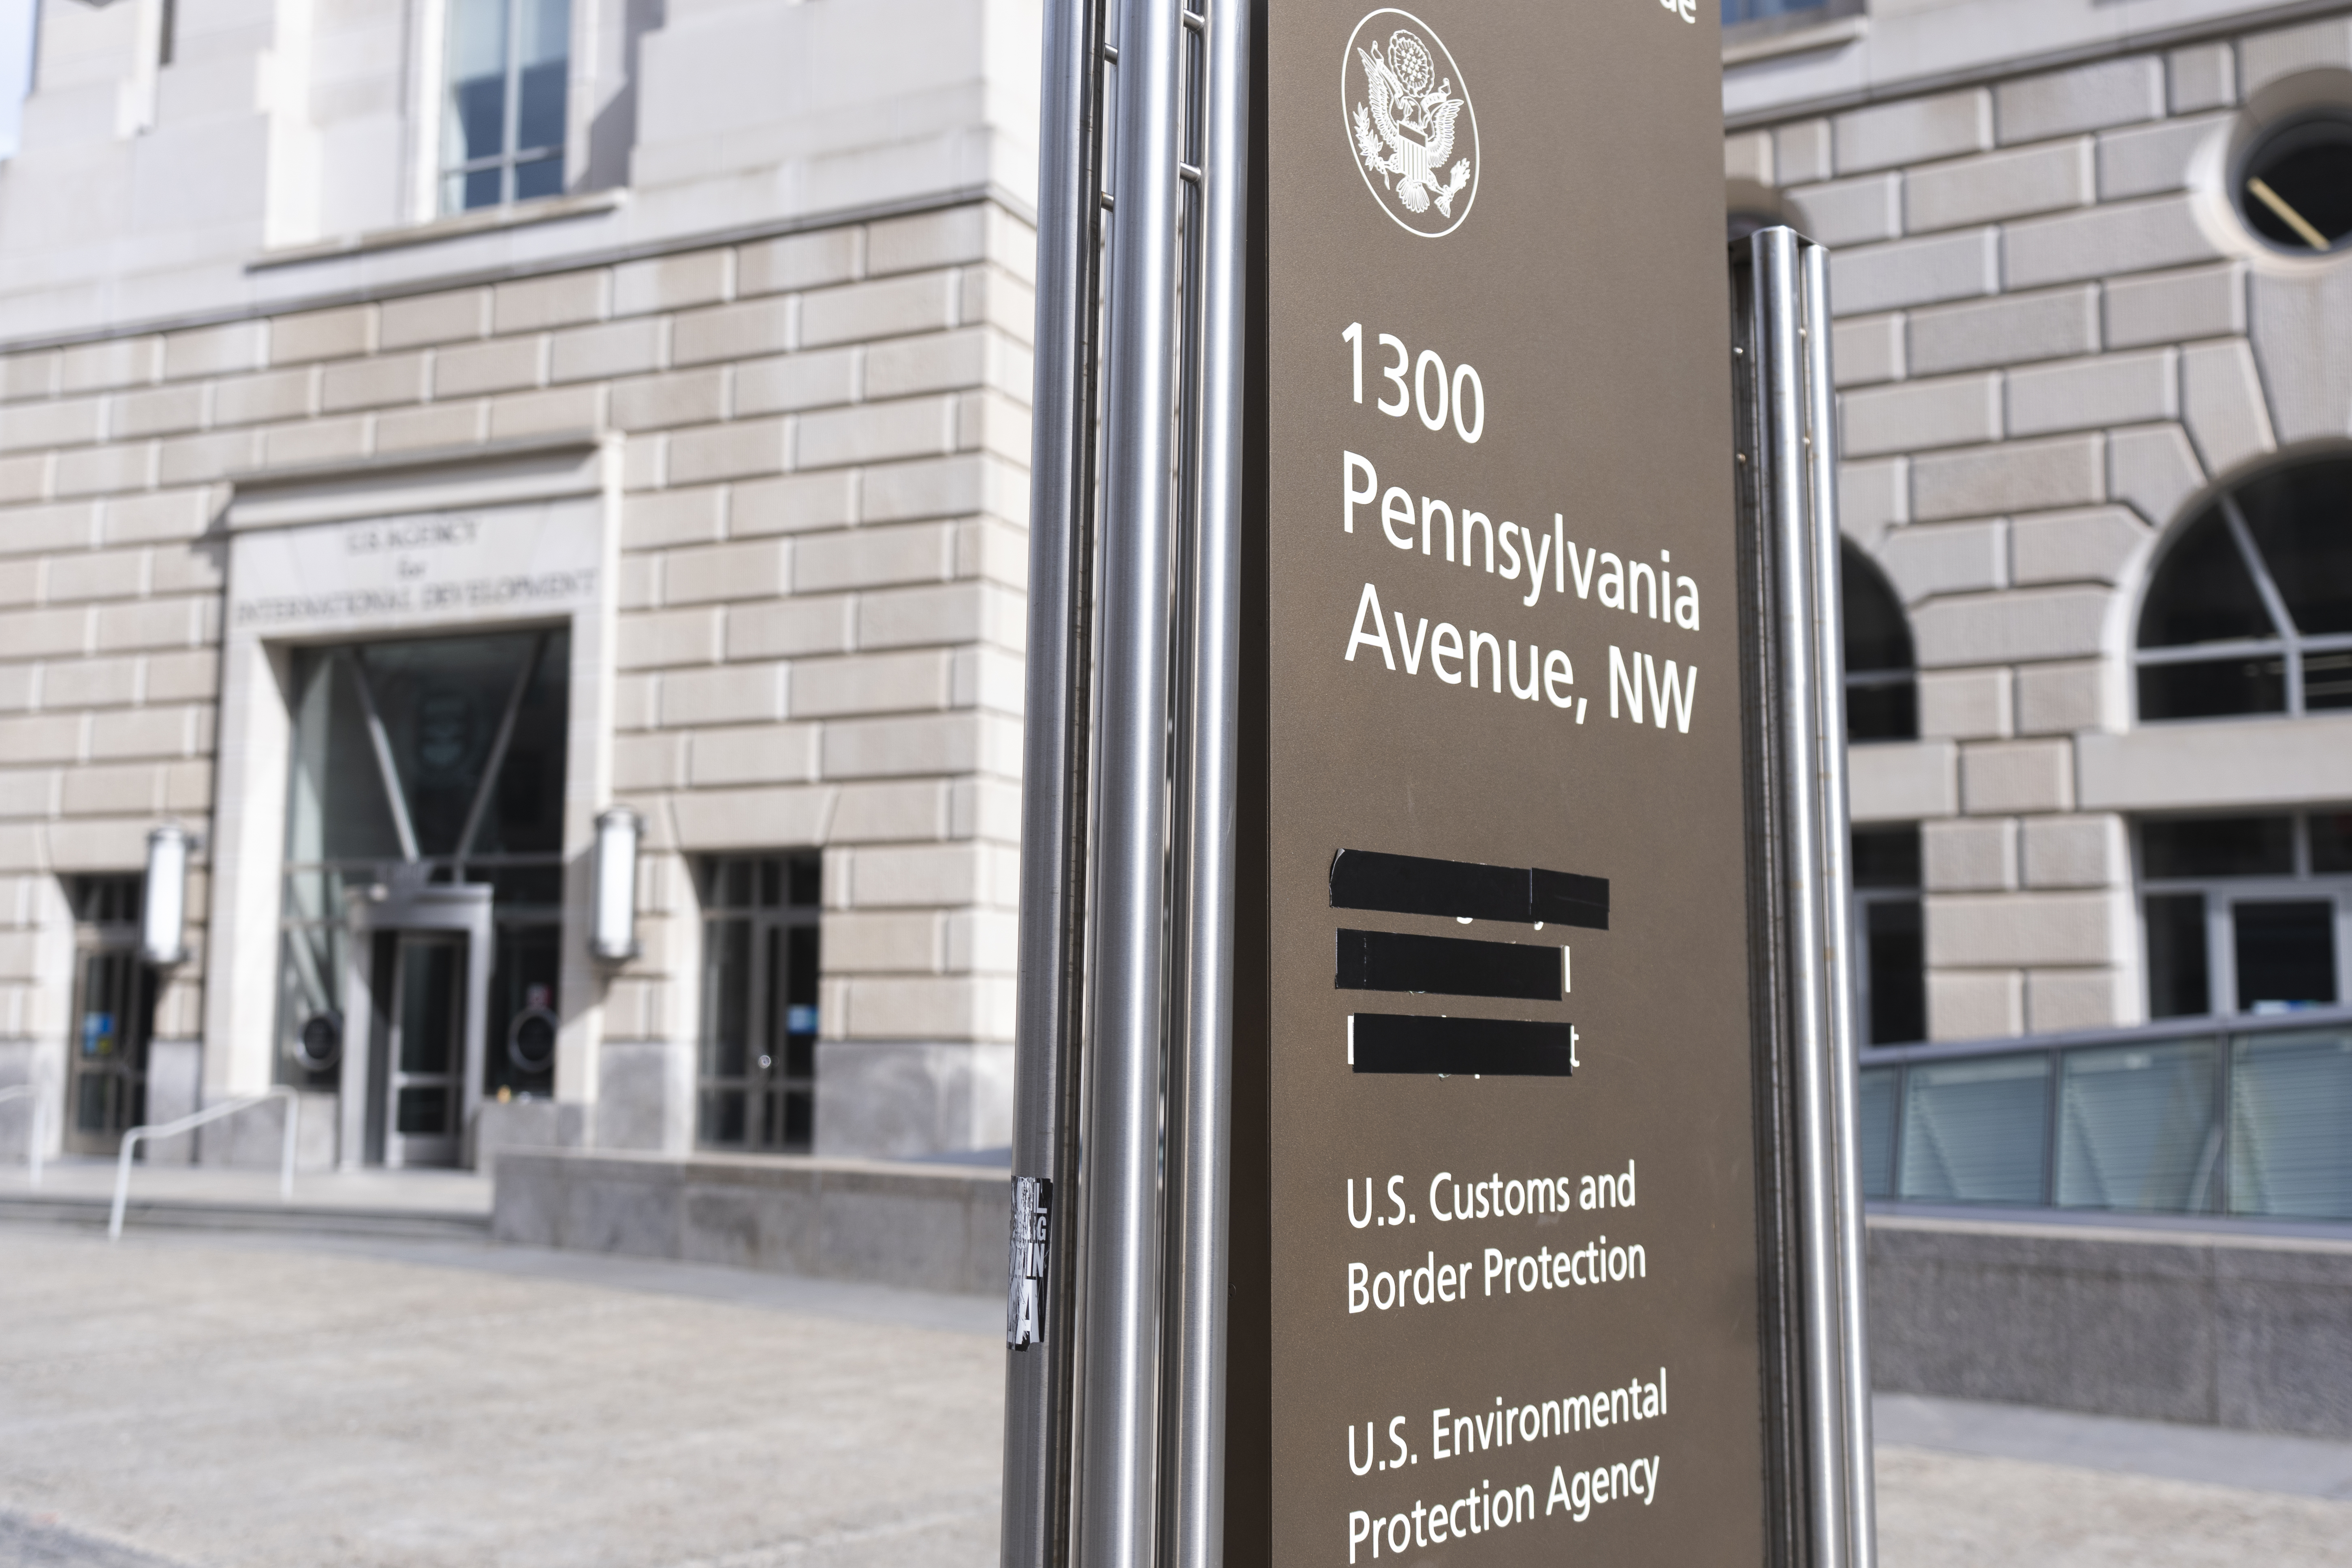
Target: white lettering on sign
x=1491, y=1507
x=1549, y=671
x=1422, y=386
x=418, y=533
x=1426, y=526
x=531, y=558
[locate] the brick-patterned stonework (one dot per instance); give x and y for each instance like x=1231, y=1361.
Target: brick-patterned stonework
x=825, y=441
x=2052, y=336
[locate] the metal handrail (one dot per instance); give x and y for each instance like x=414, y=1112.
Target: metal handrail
x=210, y=1113
x=35, y=1089
x=2200, y=1026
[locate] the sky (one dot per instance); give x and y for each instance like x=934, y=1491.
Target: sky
x=18, y=19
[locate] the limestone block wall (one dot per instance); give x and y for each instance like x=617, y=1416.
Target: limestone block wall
x=822, y=515
x=825, y=553
x=2054, y=338
x=110, y=604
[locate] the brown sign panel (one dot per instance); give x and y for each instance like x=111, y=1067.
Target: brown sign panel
x=1512, y=1287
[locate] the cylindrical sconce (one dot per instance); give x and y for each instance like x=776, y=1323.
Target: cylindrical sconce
x=614, y=935
x=163, y=912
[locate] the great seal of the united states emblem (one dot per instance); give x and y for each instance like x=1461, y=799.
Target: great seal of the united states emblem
x=1409, y=122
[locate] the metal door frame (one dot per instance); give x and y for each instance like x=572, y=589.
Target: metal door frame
x=399, y=905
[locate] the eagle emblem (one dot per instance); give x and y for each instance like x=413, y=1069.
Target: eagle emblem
x=1405, y=121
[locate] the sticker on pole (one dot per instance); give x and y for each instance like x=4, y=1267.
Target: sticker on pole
x=1410, y=122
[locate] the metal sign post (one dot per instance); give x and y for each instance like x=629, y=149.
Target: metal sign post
x=1435, y=1119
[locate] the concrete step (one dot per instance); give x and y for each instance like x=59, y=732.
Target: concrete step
x=199, y=1213
x=418, y=1205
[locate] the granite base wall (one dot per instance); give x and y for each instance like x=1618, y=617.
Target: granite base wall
x=927, y=1228
x=2219, y=1329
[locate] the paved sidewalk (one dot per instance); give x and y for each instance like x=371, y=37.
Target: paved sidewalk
x=252, y=1400
x=234, y=1401
x=1962, y=1484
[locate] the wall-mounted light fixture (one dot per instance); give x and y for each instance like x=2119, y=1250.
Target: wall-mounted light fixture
x=612, y=936
x=163, y=910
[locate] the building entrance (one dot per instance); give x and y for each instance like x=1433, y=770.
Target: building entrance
x=422, y=904
x=421, y=955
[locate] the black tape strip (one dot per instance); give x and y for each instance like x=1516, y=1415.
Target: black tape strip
x=1451, y=965
x=1415, y=885
x=1565, y=899
x=1499, y=1047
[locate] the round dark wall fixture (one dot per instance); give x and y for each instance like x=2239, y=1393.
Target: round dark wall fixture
x=2295, y=184
x=531, y=1040
x=319, y=1042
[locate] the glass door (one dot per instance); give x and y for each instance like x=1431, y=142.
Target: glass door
x=113, y=1001
x=421, y=1066
x=113, y=1014
x=761, y=962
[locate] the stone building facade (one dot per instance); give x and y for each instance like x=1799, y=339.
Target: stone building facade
x=2063, y=339
x=657, y=440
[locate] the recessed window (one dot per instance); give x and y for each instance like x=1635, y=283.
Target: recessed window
x=1890, y=932
x=759, y=966
x=2245, y=914
x=2251, y=609
x=2295, y=186
x=509, y=62
x=1882, y=690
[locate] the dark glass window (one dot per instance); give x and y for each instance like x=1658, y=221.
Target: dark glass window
x=2250, y=610
x=2286, y=953
x=1889, y=925
x=105, y=901
x=2217, y=847
x=2295, y=185
x=509, y=71
x=1887, y=857
x=760, y=962
x=2331, y=842
x=1882, y=701
x=2244, y=913
x=2179, y=985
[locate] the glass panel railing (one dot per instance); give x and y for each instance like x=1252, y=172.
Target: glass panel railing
x=1880, y=1086
x=2139, y=1127
x=2250, y=1117
x=1977, y=1131
x=2290, y=1125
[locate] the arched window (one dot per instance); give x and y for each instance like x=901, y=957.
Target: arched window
x=2251, y=608
x=1882, y=691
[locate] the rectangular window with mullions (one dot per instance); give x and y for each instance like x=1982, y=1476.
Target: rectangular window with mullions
x=2246, y=914
x=757, y=1079
x=503, y=119
x=1890, y=932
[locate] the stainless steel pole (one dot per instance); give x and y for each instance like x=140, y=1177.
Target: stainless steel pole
x=1118, y=1382
x=1201, y=1092
x=1784, y=409
x=1053, y=798
x=1836, y=884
